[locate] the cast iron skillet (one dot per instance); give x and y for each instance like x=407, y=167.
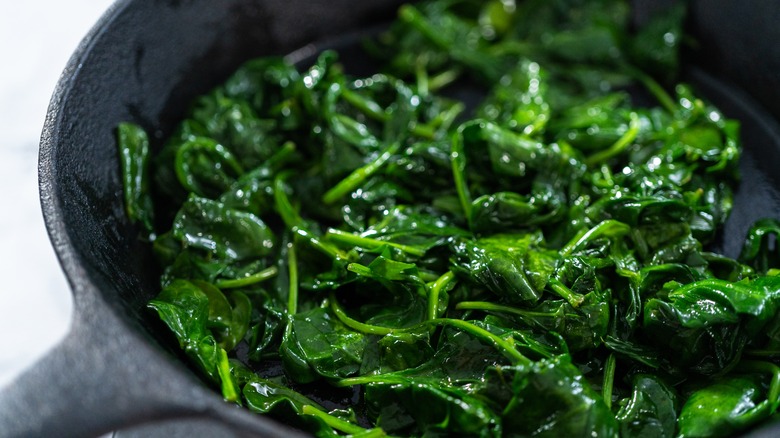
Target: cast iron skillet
x=144, y=62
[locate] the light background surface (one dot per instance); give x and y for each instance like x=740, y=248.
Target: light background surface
x=37, y=38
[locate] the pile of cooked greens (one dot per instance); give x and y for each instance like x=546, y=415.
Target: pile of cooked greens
x=504, y=233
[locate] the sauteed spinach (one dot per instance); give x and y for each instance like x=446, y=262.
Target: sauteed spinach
x=532, y=262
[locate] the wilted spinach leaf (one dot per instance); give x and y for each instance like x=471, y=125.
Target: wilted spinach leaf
x=506, y=230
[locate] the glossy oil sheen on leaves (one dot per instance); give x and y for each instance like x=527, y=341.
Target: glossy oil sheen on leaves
x=505, y=229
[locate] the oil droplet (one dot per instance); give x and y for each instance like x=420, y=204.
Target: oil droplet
x=669, y=39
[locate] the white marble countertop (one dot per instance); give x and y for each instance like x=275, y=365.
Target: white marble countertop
x=36, y=39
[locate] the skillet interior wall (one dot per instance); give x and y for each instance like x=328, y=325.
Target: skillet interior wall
x=738, y=41
x=738, y=44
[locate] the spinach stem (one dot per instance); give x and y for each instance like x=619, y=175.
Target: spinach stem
x=249, y=280
x=500, y=344
x=280, y=157
x=564, y=292
x=292, y=295
x=365, y=271
x=355, y=324
x=374, y=111
x=609, y=379
x=295, y=223
x=493, y=307
x=423, y=130
x=445, y=118
x=433, y=296
x=458, y=161
x=284, y=207
x=421, y=74
x=506, y=347
x=366, y=106
x=620, y=145
x=317, y=243
x=371, y=378
x=356, y=178
x=762, y=353
x=372, y=433
x=654, y=88
x=368, y=242
x=441, y=80
x=609, y=227
x=338, y=423
x=428, y=276
x=359, y=269
x=229, y=391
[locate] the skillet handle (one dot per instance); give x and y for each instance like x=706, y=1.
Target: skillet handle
x=86, y=386
x=103, y=376
x=106, y=376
